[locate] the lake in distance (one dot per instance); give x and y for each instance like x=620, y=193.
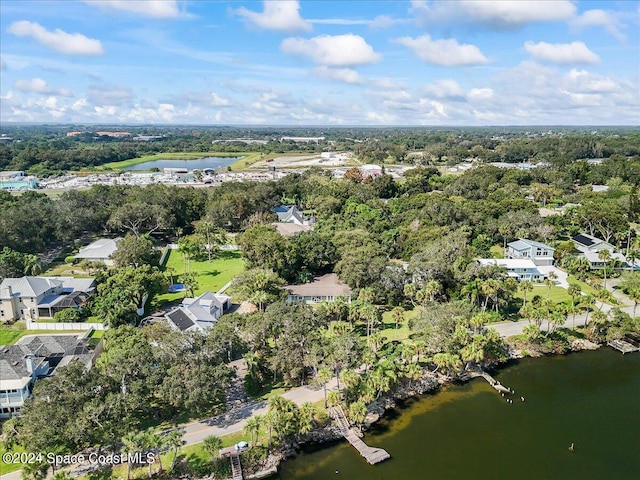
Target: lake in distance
x=195, y=164
x=469, y=431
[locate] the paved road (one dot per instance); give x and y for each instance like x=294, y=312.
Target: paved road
x=234, y=421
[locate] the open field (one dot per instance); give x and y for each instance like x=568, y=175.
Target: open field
x=211, y=275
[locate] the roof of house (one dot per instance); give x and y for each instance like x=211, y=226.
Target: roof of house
x=290, y=229
x=589, y=241
x=57, y=350
x=200, y=312
x=289, y=214
x=526, y=244
x=102, y=248
x=325, y=285
x=509, y=263
x=36, y=286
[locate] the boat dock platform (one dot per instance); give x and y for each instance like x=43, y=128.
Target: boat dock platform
x=372, y=455
x=491, y=381
x=623, y=346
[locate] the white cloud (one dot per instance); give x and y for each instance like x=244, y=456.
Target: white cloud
x=503, y=14
x=446, y=88
x=38, y=85
x=446, y=53
x=480, y=94
x=346, y=75
x=58, y=40
x=148, y=8
x=281, y=15
x=332, y=50
x=563, y=53
x=599, y=18
x=218, y=101
x=584, y=82
x=338, y=21
x=386, y=21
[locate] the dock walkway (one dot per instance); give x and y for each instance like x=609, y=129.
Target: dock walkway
x=623, y=346
x=491, y=381
x=236, y=468
x=372, y=455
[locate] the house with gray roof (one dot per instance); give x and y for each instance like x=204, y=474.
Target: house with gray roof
x=291, y=214
x=99, y=251
x=34, y=297
x=590, y=247
x=200, y=313
x=524, y=248
x=34, y=357
x=325, y=288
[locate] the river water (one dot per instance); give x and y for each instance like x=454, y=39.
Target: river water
x=591, y=399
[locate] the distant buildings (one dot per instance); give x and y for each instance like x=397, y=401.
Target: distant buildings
x=99, y=251
x=302, y=139
x=17, y=180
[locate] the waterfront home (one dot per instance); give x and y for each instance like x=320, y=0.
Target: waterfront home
x=518, y=268
x=524, y=248
x=99, y=251
x=200, y=313
x=590, y=247
x=29, y=298
x=325, y=288
x=35, y=357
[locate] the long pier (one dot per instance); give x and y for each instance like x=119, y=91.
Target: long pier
x=372, y=455
x=236, y=467
x=491, y=381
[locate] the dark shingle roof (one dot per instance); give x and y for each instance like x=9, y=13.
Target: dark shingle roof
x=583, y=240
x=180, y=319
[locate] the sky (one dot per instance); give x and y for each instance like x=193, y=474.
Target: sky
x=316, y=62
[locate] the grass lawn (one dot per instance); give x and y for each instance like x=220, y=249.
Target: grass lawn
x=9, y=336
x=9, y=467
x=211, y=275
x=388, y=326
x=557, y=294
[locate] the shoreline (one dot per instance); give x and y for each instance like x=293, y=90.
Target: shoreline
x=429, y=383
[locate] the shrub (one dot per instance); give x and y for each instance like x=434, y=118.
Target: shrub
x=70, y=259
x=68, y=315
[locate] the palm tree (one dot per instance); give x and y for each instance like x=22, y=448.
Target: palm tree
x=588, y=301
x=398, y=316
x=431, y=289
x=605, y=256
x=252, y=427
x=575, y=291
x=526, y=286
x=174, y=441
x=471, y=290
x=413, y=372
x=212, y=446
x=306, y=414
x=32, y=265
x=322, y=377
x=333, y=398
x=133, y=442
x=357, y=412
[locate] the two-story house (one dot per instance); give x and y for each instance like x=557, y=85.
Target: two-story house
x=31, y=358
x=200, y=313
x=29, y=298
x=518, y=268
x=523, y=248
x=590, y=248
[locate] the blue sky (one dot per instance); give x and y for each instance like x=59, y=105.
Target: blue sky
x=341, y=62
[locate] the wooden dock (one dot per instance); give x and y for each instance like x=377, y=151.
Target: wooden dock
x=491, y=381
x=372, y=455
x=623, y=346
x=236, y=467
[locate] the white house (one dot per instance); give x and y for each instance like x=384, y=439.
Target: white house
x=322, y=289
x=524, y=248
x=35, y=297
x=99, y=251
x=200, y=313
x=518, y=268
x=32, y=358
x=291, y=214
x=590, y=246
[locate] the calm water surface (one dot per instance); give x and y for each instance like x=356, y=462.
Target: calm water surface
x=196, y=164
x=469, y=432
